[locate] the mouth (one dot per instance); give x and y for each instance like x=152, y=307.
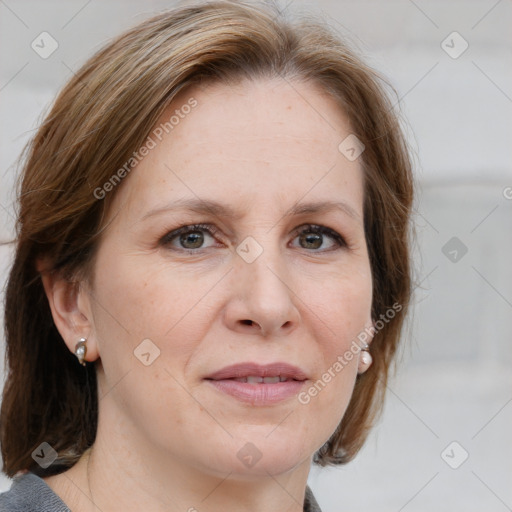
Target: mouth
x=256, y=379
x=260, y=373
x=259, y=384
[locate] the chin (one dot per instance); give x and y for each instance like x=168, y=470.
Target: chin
x=266, y=454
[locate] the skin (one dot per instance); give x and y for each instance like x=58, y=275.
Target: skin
x=168, y=440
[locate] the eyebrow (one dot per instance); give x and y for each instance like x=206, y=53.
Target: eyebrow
x=205, y=206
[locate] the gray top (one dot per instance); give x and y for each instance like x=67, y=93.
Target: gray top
x=30, y=493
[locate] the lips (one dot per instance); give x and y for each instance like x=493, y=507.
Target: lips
x=261, y=385
x=256, y=373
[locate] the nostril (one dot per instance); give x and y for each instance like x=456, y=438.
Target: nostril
x=247, y=322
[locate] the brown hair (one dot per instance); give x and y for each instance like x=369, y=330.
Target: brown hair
x=102, y=115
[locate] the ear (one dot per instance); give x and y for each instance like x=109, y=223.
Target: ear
x=71, y=309
x=369, y=330
x=366, y=338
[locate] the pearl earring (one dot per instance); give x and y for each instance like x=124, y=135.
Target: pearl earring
x=81, y=350
x=365, y=359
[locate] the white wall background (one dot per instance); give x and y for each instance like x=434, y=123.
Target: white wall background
x=454, y=380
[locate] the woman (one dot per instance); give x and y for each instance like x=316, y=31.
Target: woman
x=212, y=269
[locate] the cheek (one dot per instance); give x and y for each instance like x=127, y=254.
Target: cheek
x=341, y=312
x=343, y=306
x=147, y=309
x=141, y=299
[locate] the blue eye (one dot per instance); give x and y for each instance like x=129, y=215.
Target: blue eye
x=192, y=238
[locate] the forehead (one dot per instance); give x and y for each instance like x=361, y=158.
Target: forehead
x=272, y=113
x=257, y=142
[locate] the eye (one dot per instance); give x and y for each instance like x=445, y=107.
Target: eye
x=189, y=238
x=312, y=236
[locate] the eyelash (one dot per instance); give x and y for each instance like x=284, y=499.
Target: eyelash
x=212, y=230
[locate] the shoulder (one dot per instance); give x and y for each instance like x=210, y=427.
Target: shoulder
x=30, y=493
x=310, y=503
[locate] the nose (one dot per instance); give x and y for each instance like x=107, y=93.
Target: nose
x=262, y=298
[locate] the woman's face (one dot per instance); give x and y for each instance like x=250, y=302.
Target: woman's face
x=276, y=276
